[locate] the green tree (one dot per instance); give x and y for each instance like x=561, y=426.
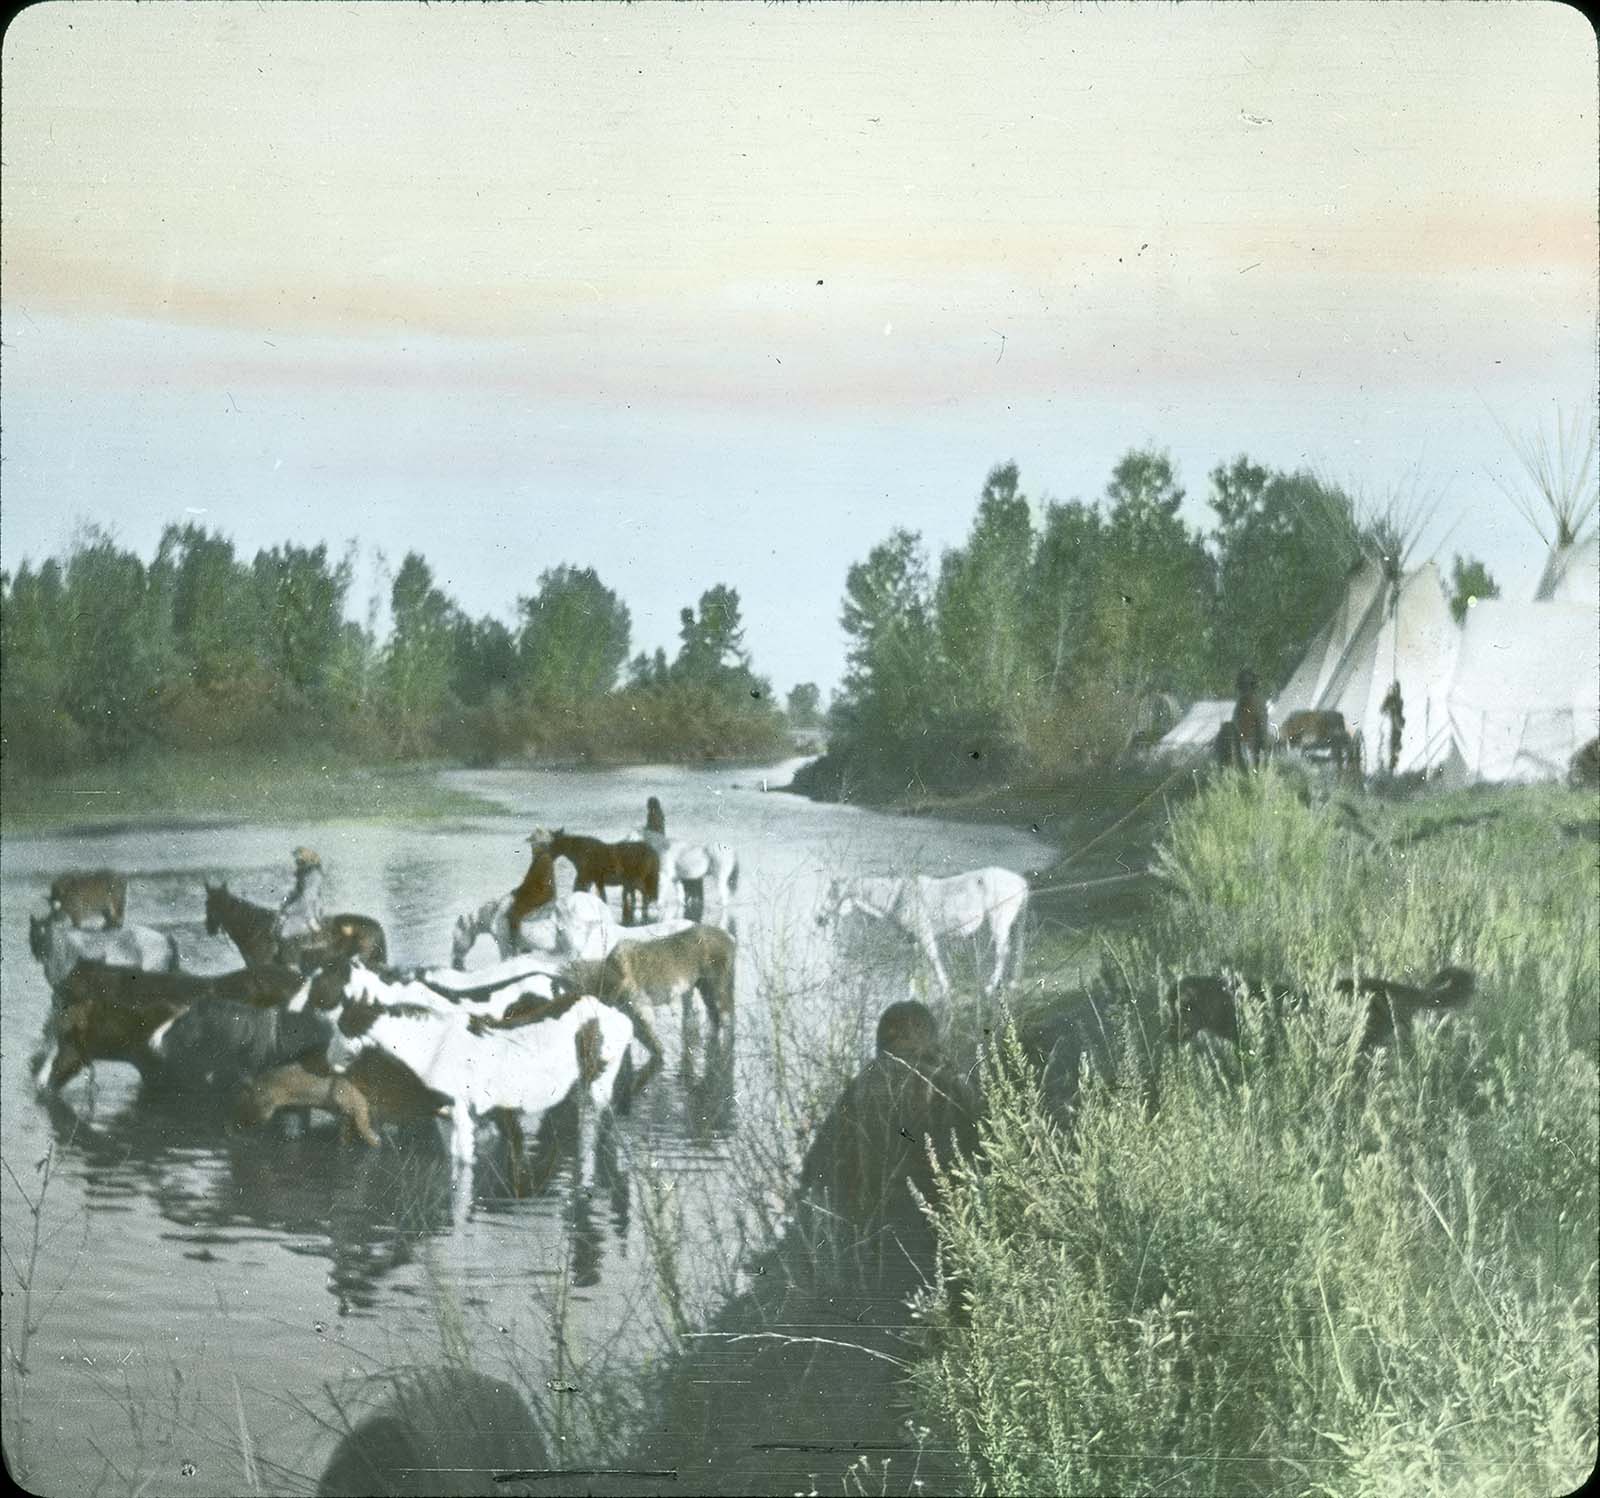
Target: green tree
x=711, y=639
x=1062, y=594
x=1153, y=598
x=483, y=659
x=804, y=705
x=981, y=604
x=117, y=645
x=1469, y=582
x=300, y=598
x=573, y=637
x=1284, y=546
x=214, y=614
x=417, y=660
x=36, y=730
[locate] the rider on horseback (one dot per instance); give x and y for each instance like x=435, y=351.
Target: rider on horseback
x=301, y=912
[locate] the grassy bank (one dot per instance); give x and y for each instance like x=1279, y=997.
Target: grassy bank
x=1306, y=1272
x=178, y=788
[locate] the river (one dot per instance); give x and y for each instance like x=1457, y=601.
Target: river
x=202, y=1296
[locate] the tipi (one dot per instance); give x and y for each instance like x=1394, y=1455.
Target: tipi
x=1392, y=626
x=1563, y=511
x=1526, y=693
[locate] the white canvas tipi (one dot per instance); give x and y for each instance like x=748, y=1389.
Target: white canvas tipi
x=1563, y=512
x=1385, y=630
x=1526, y=692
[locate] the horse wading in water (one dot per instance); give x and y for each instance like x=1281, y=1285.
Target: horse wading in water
x=635, y=866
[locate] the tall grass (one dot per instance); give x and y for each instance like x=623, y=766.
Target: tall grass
x=1323, y=1275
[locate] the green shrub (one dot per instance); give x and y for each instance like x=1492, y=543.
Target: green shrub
x=1326, y=1275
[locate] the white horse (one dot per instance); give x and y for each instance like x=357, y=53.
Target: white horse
x=933, y=909
x=576, y=925
x=686, y=868
x=526, y=1069
x=61, y=946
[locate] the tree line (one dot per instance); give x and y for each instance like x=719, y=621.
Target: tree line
x=1047, y=640
x=201, y=649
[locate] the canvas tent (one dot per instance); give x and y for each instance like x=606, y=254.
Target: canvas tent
x=1571, y=575
x=1386, y=629
x=1196, y=730
x=1526, y=692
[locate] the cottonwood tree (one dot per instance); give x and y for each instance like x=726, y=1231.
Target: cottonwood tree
x=419, y=654
x=1285, y=543
x=573, y=637
x=981, y=605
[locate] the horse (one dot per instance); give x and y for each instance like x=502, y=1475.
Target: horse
x=482, y=1070
x=1207, y=1005
x=637, y=975
x=687, y=866
x=1250, y=718
x=253, y=930
x=83, y=894
x=538, y=889
x=60, y=946
x=577, y=925
x=189, y=1047
x=635, y=866
x=375, y=1091
x=267, y=986
x=1318, y=733
x=933, y=909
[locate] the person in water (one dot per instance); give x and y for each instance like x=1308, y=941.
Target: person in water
x=301, y=912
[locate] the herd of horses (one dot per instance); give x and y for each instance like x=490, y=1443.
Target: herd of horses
x=316, y=1019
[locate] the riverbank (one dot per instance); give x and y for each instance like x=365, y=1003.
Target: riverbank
x=189, y=789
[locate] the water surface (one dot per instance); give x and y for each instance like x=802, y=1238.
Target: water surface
x=200, y=1291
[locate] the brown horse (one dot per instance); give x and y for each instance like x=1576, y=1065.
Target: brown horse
x=1250, y=718
x=84, y=894
x=1319, y=733
x=635, y=866
x=538, y=888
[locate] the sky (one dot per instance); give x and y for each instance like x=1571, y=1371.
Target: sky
x=700, y=294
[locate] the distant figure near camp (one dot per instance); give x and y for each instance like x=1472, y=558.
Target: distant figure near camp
x=1393, y=708
x=301, y=912
x=655, y=819
x=1250, y=719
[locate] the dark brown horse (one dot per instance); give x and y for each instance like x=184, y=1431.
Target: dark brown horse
x=84, y=894
x=253, y=930
x=266, y=986
x=635, y=866
x=1250, y=719
x=538, y=888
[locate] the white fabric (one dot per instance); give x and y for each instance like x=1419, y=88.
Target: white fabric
x=1197, y=728
x=1526, y=693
